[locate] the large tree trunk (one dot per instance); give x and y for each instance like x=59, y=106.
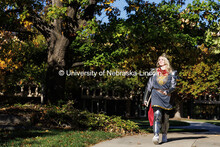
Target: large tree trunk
x=178, y=112
x=176, y=101
x=58, y=43
x=56, y=77
x=60, y=35
x=178, y=104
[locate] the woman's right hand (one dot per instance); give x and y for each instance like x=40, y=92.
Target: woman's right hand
x=146, y=103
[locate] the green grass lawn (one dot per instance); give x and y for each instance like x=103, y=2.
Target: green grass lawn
x=54, y=138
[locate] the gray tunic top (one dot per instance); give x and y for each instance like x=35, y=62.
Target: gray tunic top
x=165, y=83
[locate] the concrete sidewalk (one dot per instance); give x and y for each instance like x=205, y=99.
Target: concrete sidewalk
x=210, y=138
x=174, y=140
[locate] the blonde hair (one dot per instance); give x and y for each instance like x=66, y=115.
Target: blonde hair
x=169, y=67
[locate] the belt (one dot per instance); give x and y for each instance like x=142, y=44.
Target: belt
x=162, y=91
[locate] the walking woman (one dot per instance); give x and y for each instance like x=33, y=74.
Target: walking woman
x=159, y=89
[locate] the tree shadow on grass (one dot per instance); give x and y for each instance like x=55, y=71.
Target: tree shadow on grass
x=8, y=136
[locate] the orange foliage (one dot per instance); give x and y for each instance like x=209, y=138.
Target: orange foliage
x=199, y=79
x=7, y=55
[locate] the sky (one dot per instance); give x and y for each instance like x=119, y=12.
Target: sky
x=120, y=4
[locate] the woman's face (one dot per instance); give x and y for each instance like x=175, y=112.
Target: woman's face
x=161, y=61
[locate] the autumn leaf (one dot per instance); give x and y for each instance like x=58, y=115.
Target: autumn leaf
x=108, y=9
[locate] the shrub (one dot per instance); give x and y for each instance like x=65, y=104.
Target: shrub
x=66, y=116
x=107, y=123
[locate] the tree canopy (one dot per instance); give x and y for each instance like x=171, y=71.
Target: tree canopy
x=66, y=34
x=58, y=21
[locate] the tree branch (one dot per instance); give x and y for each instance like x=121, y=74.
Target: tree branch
x=76, y=64
x=88, y=14
x=12, y=11
x=40, y=24
x=72, y=9
x=71, y=19
x=89, y=10
x=18, y=31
